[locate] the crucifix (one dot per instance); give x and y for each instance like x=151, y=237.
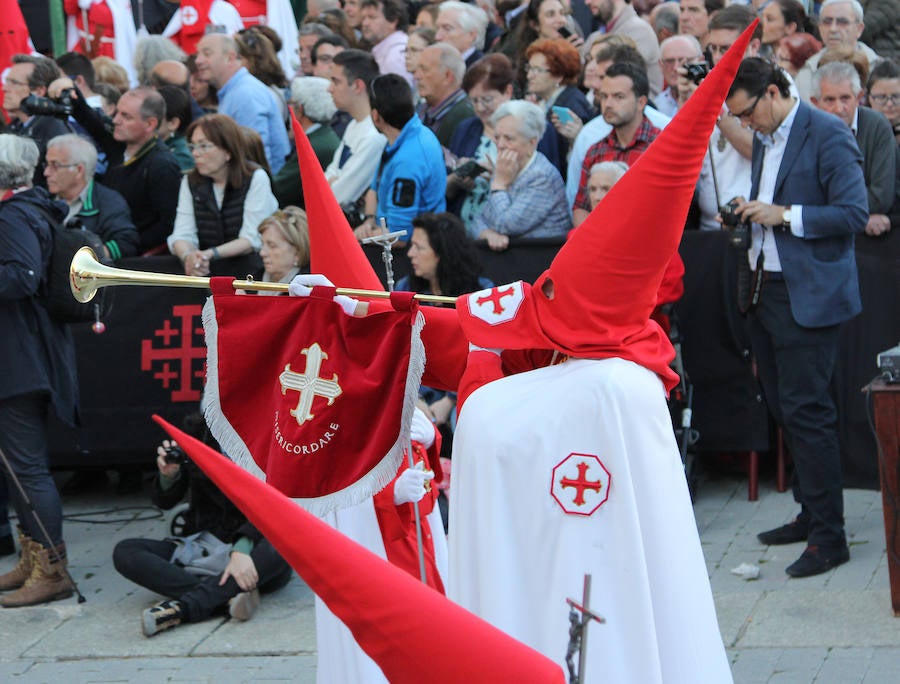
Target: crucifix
x=387, y=241
x=578, y=632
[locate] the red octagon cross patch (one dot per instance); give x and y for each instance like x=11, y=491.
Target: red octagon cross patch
x=580, y=484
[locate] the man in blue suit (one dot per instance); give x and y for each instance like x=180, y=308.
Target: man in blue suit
x=807, y=201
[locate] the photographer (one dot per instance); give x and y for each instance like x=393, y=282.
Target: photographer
x=27, y=78
x=220, y=564
x=726, y=168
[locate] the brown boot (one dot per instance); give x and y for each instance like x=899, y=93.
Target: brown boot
x=16, y=577
x=48, y=581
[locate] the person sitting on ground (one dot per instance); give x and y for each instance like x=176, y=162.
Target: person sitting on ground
x=527, y=197
x=221, y=202
x=245, y=564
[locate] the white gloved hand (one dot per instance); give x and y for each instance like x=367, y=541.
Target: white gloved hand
x=421, y=429
x=410, y=486
x=302, y=285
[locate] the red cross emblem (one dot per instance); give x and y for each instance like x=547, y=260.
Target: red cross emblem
x=497, y=304
x=189, y=15
x=178, y=362
x=580, y=484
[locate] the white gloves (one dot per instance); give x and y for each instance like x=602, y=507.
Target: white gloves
x=421, y=429
x=302, y=285
x=410, y=486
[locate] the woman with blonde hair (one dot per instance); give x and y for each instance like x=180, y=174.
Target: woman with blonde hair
x=285, y=246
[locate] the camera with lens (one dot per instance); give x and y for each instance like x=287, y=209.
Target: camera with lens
x=696, y=72
x=44, y=106
x=175, y=454
x=731, y=221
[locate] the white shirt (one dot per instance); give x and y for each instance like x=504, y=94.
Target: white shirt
x=774, y=153
x=348, y=183
x=259, y=204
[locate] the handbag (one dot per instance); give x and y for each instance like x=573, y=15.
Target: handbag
x=202, y=553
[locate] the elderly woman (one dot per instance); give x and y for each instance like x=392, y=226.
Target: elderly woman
x=37, y=371
x=285, y=245
x=221, y=202
x=489, y=83
x=527, y=195
x=603, y=176
x=883, y=90
x=554, y=67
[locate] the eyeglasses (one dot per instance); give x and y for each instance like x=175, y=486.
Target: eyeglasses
x=747, y=113
x=881, y=100
x=536, y=69
x=678, y=61
x=843, y=22
x=483, y=101
x=56, y=166
x=202, y=148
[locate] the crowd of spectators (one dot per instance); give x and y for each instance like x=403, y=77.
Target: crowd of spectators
x=514, y=117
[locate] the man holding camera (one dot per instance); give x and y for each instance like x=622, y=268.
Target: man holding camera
x=807, y=200
x=220, y=563
x=31, y=75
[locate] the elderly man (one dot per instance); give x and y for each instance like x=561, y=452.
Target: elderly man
x=695, y=16
x=836, y=90
x=313, y=106
x=463, y=26
x=840, y=25
x=31, y=75
x=71, y=162
x=621, y=19
x=242, y=96
x=527, y=191
x=674, y=53
x=438, y=78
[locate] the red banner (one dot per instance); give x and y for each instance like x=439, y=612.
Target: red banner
x=313, y=398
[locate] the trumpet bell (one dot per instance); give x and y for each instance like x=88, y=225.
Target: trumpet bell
x=83, y=274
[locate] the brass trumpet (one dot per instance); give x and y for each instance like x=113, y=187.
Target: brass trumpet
x=87, y=275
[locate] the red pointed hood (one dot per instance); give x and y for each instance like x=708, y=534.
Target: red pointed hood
x=606, y=277
x=385, y=608
x=334, y=251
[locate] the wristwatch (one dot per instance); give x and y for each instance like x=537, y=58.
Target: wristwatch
x=786, y=219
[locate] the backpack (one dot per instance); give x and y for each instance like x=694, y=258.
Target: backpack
x=56, y=294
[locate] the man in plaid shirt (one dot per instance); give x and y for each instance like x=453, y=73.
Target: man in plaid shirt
x=623, y=95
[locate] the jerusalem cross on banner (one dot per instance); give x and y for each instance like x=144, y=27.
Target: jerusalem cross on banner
x=317, y=400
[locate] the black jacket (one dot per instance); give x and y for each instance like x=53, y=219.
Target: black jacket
x=36, y=353
x=106, y=213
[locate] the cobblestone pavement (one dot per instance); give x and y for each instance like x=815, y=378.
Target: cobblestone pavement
x=835, y=628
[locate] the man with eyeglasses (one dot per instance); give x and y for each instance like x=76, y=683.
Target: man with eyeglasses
x=31, y=75
x=322, y=54
x=71, y=162
x=463, y=26
x=840, y=25
x=675, y=52
x=807, y=200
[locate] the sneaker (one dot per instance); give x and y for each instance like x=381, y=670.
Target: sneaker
x=242, y=606
x=162, y=616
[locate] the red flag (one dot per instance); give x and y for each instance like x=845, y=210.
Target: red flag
x=314, y=398
x=386, y=609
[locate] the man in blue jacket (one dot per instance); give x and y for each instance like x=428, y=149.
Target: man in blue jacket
x=807, y=200
x=411, y=178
